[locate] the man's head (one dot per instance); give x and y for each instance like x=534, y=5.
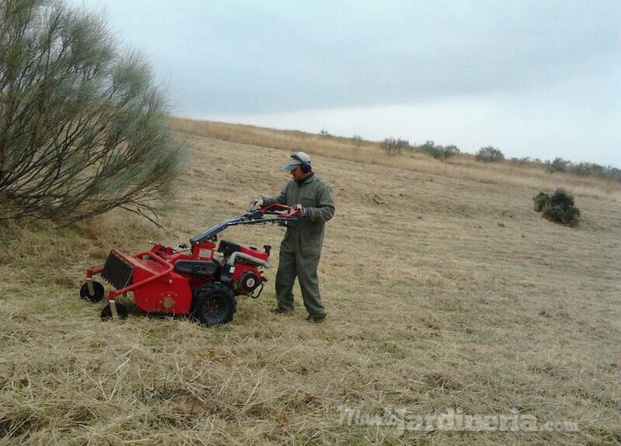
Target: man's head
x=299, y=165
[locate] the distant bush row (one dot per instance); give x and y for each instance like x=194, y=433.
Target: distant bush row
x=395, y=146
x=585, y=169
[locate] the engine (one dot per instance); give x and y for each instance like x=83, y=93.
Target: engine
x=241, y=268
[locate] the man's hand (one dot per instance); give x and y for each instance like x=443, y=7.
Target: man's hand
x=301, y=210
x=256, y=203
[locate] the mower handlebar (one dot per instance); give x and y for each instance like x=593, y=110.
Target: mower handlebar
x=277, y=209
x=277, y=213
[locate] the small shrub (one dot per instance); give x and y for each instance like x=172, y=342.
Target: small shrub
x=558, y=165
x=430, y=148
x=448, y=151
x=357, y=141
x=392, y=146
x=558, y=208
x=541, y=201
x=437, y=152
x=522, y=161
x=489, y=155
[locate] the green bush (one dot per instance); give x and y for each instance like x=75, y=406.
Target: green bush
x=558, y=208
x=448, y=151
x=489, y=154
x=541, y=201
x=437, y=152
x=558, y=165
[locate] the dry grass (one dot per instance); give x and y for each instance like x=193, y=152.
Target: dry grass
x=446, y=291
x=367, y=152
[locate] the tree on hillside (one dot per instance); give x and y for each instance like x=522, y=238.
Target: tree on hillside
x=82, y=127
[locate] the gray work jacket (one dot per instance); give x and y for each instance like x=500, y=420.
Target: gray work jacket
x=305, y=235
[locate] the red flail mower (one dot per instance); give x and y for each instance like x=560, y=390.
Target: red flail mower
x=201, y=280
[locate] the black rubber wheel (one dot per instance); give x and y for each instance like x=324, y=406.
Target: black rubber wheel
x=106, y=312
x=86, y=295
x=214, y=304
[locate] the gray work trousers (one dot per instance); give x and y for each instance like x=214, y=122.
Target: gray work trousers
x=290, y=266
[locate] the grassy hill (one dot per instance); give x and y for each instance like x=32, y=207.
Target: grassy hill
x=451, y=304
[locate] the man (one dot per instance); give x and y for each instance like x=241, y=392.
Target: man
x=300, y=249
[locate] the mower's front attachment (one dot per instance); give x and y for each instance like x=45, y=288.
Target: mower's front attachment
x=151, y=279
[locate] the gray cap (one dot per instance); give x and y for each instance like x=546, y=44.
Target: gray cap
x=296, y=160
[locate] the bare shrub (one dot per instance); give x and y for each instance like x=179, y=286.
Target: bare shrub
x=392, y=146
x=82, y=127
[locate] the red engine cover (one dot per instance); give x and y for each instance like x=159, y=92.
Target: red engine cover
x=254, y=253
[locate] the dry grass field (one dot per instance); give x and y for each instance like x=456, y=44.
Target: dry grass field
x=457, y=315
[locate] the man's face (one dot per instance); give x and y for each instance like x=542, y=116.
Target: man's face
x=297, y=173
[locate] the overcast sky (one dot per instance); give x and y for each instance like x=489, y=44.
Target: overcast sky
x=534, y=78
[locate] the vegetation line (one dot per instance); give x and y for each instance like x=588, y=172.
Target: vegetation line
x=528, y=174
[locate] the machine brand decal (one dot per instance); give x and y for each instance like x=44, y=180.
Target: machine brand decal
x=205, y=253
